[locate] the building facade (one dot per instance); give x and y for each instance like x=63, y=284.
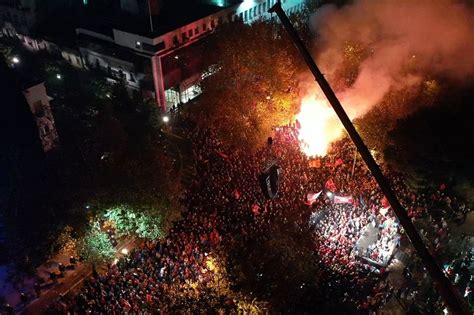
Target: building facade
x=142, y=42
x=38, y=100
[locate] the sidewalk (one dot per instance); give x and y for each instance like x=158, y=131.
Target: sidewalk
x=53, y=291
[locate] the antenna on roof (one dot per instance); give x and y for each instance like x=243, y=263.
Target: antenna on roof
x=151, y=19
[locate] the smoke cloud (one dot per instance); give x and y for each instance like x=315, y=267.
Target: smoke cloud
x=402, y=39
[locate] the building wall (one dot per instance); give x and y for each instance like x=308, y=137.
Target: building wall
x=252, y=10
x=38, y=101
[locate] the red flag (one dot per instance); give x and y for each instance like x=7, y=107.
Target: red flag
x=236, y=194
x=311, y=197
x=338, y=162
x=384, y=202
x=343, y=199
x=255, y=209
x=330, y=185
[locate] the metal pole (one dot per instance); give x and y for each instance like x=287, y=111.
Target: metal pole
x=354, y=163
x=151, y=18
x=452, y=298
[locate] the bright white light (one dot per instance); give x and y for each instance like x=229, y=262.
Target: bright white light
x=115, y=261
x=176, y=57
x=124, y=251
x=319, y=126
x=108, y=95
x=166, y=119
x=87, y=207
x=329, y=194
x=58, y=76
x=269, y=97
x=139, y=43
x=16, y=60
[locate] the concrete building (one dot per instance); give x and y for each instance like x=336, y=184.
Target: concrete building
x=139, y=44
x=38, y=100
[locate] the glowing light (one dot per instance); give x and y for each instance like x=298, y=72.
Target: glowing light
x=124, y=251
x=329, y=194
x=319, y=126
x=115, y=261
x=166, y=119
x=58, y=76
x=16, y=60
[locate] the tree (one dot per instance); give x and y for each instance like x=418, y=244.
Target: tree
x=95, y=246
x=254, y=86
x=144, y=223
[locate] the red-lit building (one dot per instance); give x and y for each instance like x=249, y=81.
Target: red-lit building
x=146, y=43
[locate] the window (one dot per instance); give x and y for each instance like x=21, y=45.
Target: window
x=241, y=16
x=183, y=36
x=175, y=40
x=196, y=31
x=190, y=33
x=259, y=9
x=264, y=7
x=245, y=16
x=204, y=27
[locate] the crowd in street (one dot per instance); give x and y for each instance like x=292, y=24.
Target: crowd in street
x=224, y=200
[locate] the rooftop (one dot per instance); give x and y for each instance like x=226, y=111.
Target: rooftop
x=173, y=15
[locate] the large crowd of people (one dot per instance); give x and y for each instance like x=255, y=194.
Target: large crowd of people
x=224, y=199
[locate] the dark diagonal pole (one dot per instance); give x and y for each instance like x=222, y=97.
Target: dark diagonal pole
x=452, y=298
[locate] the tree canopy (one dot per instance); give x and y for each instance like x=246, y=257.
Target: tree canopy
x=254, y=86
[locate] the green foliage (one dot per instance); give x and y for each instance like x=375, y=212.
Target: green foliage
x=95, y=246
x=130, y=221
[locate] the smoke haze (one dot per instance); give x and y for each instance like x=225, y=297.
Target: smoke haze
x=403, y=39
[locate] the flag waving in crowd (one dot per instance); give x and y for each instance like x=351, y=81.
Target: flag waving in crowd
x=311, y=198
x=330, y=185
x=343, y=199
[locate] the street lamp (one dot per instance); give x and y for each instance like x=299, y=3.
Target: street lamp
x=16, y=60
x=166, y=119
x=58, y=76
